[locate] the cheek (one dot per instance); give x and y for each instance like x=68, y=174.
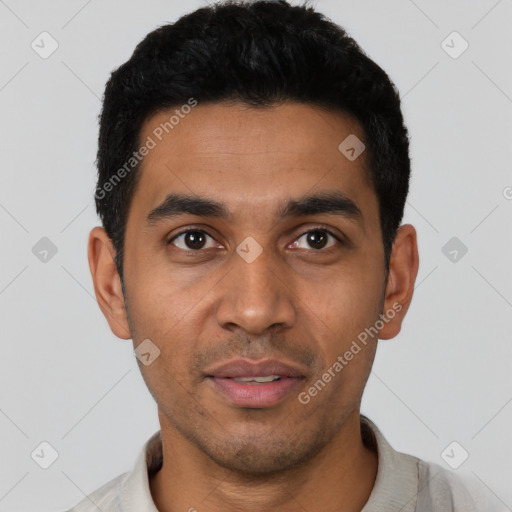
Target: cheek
x=168, y=317
x=347, y=349
x=168, y=376
x=160, y=301
x=347, y=300
x=342, y=308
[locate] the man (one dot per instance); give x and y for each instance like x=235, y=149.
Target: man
x=253, y=170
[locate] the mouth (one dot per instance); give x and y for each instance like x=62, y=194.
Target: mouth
x=243, y=383
x=258, y=379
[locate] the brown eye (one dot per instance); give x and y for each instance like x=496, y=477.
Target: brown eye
x=191, y=240
x=316, y=239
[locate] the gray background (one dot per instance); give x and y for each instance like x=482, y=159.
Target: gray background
x=67, y=380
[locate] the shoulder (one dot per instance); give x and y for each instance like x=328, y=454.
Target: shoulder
x=106, y=498
x=442, y=490
x=129, y=490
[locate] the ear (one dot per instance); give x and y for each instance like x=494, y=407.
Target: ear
x=403, y=269
x=107, y=283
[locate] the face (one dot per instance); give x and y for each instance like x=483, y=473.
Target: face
x=258, y=282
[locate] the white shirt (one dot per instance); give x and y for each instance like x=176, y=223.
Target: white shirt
x=404, y=483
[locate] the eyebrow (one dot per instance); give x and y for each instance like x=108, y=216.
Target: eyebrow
x=330, y=202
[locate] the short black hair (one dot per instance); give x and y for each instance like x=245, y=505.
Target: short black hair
x=262, y=54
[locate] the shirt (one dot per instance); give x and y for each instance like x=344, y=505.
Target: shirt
x=404, y=483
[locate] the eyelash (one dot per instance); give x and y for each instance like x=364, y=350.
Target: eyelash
x=197, y=230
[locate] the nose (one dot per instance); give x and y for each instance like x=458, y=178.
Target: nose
x=255, y=295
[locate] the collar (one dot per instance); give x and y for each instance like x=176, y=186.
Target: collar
x=396, y=485
x=395, y=488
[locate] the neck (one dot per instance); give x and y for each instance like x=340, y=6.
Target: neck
x=340, y=477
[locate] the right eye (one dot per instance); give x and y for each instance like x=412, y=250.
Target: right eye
x=191, y=240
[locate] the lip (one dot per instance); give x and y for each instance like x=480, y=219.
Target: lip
x=254, y=395
x=237, y=368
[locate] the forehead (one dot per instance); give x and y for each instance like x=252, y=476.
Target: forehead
x=248, y=156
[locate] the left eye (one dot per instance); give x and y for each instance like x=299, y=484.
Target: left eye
x=317, y=239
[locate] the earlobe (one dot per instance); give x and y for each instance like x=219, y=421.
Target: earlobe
x=107, y=283
x=403, y=269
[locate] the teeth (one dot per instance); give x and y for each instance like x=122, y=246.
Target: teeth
x=266, y=378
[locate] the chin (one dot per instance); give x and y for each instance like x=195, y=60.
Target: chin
x=257, y=456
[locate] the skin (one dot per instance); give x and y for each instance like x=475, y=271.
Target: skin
x=295, y=302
